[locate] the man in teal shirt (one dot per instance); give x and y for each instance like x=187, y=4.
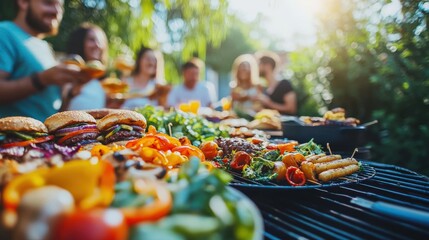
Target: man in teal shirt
x=30, y=78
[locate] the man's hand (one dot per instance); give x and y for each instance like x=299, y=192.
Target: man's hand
x=62, y=74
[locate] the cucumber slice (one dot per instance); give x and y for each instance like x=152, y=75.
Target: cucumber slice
x=22, y=135
x=39, y=134
x=126, y=127
x=113, y=132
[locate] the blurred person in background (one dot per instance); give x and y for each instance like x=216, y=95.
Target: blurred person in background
x=278, y=95
x=147, y=82
x=30, y=78
x=245, y=86
x=90, y=42
x=192, y=89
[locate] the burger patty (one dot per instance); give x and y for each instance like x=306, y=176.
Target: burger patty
x=123, y=135
x=81, y=139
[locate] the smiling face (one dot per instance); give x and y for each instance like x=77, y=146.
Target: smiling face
x=190, y=77
x=94, y=45
x=243, y=75
x=44, y=16
x=148, y=63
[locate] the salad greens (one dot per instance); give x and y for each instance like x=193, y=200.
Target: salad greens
x=203, y=208
x=196, y=128
x=260, y=169
x=309, y=148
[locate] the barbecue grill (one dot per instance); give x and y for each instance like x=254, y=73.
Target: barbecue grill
x=320, y=213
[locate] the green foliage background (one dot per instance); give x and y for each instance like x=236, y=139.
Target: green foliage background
x=375, y=66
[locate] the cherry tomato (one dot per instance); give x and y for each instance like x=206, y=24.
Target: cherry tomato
x=295, y=176
x=95, y=224
x=210, y=149
x=240, y=159
x=280, y=169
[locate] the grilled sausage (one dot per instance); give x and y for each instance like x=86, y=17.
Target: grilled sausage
x=328, y=158
x=331, y=174
x=320, y=167
x=314, y=157
x=308, y=169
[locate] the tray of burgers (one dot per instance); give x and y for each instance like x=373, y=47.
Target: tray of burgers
x=108, y=175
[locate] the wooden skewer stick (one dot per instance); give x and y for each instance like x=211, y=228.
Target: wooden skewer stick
x=355, y=151
x=329, y=148
x=169, y=129
x=314, y=182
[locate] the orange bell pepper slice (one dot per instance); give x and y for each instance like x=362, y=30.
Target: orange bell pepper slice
x=175, y=158
x=190, y=151
x=287, y=147
x=153, y=211
x=152, y=155
x=93, y=187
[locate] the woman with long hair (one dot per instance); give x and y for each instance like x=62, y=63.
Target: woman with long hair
x=146, y=84
x=90, y=42
x=245, y=85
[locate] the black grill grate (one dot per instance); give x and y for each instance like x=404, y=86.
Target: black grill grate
x=367, y=172
x=328, y=213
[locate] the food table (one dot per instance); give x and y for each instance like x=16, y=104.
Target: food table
x=342, y=198
x=328, y=213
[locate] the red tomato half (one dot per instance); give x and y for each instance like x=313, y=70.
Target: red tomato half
x=240, y=159
x=96, y=224
x=210, y=149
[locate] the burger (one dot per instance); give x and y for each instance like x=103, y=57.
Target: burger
x=72, y=128
x=94, y=69
x=24, y=139
x=74, y=59
x=121, y=126
x=18, y=133
x=100, y=113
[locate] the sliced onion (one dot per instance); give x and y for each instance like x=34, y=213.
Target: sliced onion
x=64, y=131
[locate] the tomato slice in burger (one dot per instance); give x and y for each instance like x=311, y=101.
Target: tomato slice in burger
x=75, y=133
x=28, y=142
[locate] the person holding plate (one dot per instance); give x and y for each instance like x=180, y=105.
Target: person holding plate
x=90, y=42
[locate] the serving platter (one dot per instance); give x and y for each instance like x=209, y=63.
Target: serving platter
x=240, y=182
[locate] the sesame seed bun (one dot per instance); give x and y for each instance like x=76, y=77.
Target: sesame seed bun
x=100, y=113
x=121, y=117
x=63, y=119
x=26, y=124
